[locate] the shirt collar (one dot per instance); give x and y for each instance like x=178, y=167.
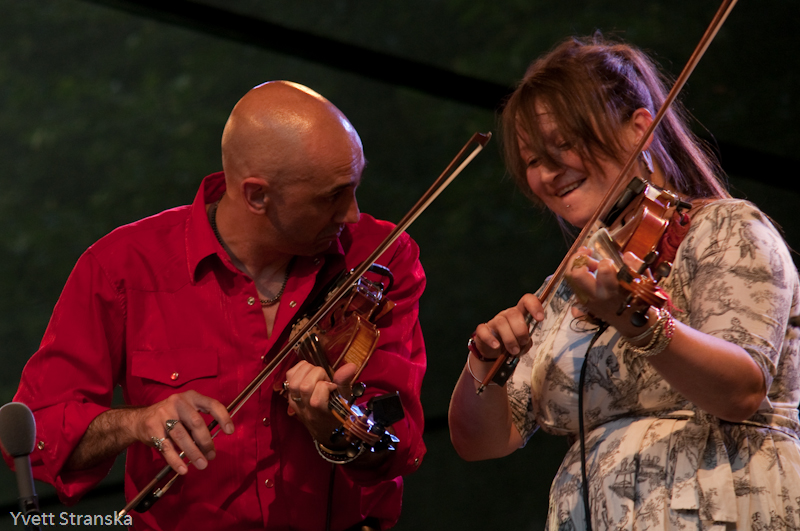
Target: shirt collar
x=201, y=241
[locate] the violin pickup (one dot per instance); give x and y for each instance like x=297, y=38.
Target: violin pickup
x=386, y=409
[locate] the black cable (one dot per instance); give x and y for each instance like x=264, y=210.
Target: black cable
x=329, y=511
x=581, y=429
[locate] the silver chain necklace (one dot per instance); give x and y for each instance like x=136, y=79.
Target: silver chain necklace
x=264, y=302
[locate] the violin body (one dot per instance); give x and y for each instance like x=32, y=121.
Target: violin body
x=348, y=332
x=639, y=226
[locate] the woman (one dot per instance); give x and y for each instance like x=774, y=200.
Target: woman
x=691, y=420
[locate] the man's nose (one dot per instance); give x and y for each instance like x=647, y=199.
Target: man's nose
x=351, y=213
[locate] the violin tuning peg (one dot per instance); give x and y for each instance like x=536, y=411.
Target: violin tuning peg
x=662, y=271
x=353, y=450
x=639, y=319
x=649, y=260
x=356, y=391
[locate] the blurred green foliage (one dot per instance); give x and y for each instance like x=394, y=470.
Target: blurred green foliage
x=106, y=118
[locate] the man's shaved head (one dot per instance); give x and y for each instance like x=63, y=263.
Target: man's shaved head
x=276, y=128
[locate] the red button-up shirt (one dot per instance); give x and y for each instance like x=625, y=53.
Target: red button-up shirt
x=158, y=308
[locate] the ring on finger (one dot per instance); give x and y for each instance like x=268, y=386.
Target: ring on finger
x=171, y=423
x=158, y=443
x=286, y=385
x=580, y=261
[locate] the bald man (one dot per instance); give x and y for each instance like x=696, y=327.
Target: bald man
x=168, y=308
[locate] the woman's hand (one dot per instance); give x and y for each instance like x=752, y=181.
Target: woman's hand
x=508, y=331
x=598, y=290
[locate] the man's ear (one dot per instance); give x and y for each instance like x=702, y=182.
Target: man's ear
x=639, y=122
x=254, y=191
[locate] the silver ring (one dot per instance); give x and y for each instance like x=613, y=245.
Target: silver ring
x=297, y=398
x=171, y=423
x=158, y=443
x=286, y=385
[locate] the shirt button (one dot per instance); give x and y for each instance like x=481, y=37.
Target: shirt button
x=251, y=301
x=269, y=483
x=40, y=446
x=174, y=376
x=265, y=421
x=292, y=304
x=316, y=261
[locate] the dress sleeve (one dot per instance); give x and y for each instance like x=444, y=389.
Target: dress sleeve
x=738, y=280
x=519, y=385
x=399, y=363
x=70, y=379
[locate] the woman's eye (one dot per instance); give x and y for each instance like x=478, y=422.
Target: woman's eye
x=565, y=146
x=533, y=163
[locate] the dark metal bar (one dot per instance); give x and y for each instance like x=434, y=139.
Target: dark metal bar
x=335, y=54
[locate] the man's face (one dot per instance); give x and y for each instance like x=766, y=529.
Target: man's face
x=310, y=209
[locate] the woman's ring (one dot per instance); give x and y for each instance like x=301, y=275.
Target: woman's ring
x=580, y=261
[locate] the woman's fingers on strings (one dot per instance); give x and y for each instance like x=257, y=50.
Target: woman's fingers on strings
x=606, y=284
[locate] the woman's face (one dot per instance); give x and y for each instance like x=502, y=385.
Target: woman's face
x=572, y=188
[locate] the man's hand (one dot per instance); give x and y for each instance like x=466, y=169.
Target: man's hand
x=116, y=429
x=190, y=435
x=309, y=388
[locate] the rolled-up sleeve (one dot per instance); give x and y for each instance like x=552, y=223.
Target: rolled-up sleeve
x=70, y=380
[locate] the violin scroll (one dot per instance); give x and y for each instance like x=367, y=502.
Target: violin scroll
x=637, y=224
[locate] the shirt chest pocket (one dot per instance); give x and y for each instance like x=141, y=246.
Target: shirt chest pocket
x=159, y=373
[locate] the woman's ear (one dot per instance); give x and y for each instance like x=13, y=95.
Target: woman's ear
x=639, y=123
x=254, y=191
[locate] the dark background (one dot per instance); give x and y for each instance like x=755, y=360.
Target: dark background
x=108, y=115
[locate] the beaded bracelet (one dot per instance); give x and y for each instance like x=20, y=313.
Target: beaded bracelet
x=662, y=335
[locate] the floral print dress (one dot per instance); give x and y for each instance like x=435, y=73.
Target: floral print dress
x=654, y=460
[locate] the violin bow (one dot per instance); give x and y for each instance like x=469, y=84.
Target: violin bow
x=444, y=180
x=504, y=365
